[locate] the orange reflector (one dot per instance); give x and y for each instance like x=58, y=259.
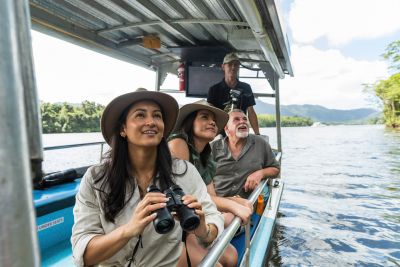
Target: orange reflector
x=152, y=42
x=260, y=205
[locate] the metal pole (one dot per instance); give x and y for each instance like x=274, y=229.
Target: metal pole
x=252, y=15
x=101, y=151
x=278, y=116
x=270, y=186
x=247, y=241
x=158, y=79
x=34, y=125
x=75, y=145
x=223, y=240
x=18, y=239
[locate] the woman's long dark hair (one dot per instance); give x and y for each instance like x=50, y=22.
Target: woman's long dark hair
x=187, y=127
x=115, y=176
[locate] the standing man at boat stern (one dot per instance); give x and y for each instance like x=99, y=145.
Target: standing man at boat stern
x=231, y=93
x=243, y=159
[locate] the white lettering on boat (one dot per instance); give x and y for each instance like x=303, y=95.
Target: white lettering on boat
x=50, y=224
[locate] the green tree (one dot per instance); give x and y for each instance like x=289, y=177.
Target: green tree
x=66, y=118
x=265, y=120
x=388, y=90
x=50, y=120
x=392, y=55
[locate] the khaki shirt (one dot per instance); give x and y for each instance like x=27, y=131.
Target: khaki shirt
x=231, y=174
x=158, y=249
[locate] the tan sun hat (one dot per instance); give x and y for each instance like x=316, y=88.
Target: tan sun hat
x=221, y=117
x=113, y=111
x=230, y=57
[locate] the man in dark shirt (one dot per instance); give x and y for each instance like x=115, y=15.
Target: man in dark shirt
x=230, y=93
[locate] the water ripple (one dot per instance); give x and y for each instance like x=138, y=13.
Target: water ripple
x=340, y=246
x=361, y=175
x=341, y=204
x=384, y=244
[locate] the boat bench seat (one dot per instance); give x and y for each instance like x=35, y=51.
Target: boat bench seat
x=54, y=221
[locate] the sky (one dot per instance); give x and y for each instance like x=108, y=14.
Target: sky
x=335, y=49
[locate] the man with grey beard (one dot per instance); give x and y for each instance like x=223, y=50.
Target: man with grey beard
x=243, y=159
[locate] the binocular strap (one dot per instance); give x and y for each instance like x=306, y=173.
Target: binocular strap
x=187, y=253
x=135, y=250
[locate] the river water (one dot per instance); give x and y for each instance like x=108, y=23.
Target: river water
x=341, y=203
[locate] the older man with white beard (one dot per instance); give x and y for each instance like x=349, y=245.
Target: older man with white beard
x=243, y=159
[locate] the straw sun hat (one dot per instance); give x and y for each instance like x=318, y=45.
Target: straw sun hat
x=221, y=117
x=113, y=111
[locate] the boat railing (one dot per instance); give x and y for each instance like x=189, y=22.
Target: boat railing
x=278, y=157
x=78, y=145
x=67, y=175
x=223, y=241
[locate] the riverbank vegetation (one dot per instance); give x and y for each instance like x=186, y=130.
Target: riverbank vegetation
x=265, y=120
x=388, y=90
x=85, y=117
x=68, y=118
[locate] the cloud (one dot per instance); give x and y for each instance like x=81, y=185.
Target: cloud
x=69, y=73
x=321, y=77
x=328, y=78
x=341, y=21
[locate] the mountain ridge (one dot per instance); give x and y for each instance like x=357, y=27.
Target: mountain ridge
x=319, y=113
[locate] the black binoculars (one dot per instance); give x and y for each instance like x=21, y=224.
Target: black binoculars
x=235, y=98
x=235, y=93
x=164, y=222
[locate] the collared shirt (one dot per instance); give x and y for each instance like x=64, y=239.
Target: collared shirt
x=206, y=172
x=219, y=96
x=158, y=249
x=231, y=174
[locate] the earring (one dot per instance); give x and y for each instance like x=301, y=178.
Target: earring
x=123, y=135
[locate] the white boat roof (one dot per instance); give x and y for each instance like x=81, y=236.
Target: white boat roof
x=188, y=30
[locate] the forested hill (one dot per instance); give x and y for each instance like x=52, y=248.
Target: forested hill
x=320, y=113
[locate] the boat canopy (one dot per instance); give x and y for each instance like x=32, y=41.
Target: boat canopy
x=159, y=34
x=156, y=34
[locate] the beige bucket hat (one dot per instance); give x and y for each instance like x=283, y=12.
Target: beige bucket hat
x=113, y=111
x=221, y=117
x=230, y=57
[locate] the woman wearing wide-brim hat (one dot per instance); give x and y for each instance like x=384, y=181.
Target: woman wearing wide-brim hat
x=198, y=124
x=114, y=211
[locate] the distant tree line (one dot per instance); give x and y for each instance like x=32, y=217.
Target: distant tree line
x=265, y=120
x=388, y=90
x=67, y=118
x=85, y=117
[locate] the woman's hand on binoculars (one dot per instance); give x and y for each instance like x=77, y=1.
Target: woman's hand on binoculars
x=192, y=202
x=144, y=213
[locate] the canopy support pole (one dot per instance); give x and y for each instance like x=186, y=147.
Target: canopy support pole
x=278, y=116
x=18, y=238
